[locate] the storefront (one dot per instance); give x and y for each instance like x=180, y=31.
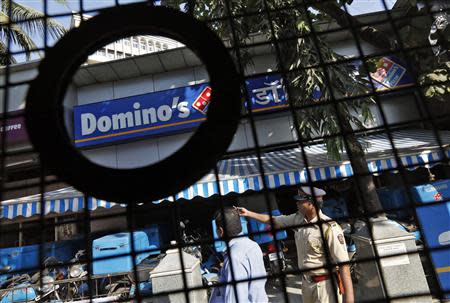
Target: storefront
x=138, y=110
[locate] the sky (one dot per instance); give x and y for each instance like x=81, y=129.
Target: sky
x=356, y=8
x=54, y=8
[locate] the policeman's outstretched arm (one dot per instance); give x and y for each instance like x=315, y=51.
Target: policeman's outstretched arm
x=348, y=285
x=263, y=218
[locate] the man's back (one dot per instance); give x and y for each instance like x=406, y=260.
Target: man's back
x=246, y=263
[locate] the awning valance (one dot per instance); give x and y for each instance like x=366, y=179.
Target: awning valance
x=284, y=167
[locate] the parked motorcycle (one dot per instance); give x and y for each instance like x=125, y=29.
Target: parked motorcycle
x=78, y=288
x=46, y=287
x=273, y=251
x=274, y=259
x=209, y=265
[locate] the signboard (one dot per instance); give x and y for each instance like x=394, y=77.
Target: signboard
x=433, y=212
x=390, y=73
x=266, y=93
x=163, y=112
x=14, y=128
x=398, y=250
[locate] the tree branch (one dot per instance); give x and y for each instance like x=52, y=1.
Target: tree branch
x=369, y=34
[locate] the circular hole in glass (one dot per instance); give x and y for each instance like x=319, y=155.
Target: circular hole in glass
x=136, y=101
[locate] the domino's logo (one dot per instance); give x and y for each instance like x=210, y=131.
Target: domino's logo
x=202, y=102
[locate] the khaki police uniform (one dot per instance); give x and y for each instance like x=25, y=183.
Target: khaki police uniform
x=311, y=254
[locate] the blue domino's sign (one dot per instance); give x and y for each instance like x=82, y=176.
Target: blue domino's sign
x=163, y=112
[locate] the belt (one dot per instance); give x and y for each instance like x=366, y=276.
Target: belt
x=316, y=279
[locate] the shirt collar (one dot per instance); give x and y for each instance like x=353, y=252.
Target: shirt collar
x=235, y=240
x=314, y=220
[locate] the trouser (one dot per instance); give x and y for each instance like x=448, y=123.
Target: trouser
x=320, y=292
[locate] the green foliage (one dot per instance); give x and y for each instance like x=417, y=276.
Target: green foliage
x=18, y=23
x=436, y=84
x=432, y=70
x=302, y=53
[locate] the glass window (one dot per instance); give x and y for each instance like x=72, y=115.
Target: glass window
x=110, y=53
x=150, y=45
x=120, y=55
x=126, y=42
x=101, y=52
x=135, y=43
x=165, y=46
x=158, y=46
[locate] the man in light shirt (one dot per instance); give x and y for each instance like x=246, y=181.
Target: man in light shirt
x=243, y=261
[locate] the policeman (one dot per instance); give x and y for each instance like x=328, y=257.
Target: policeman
x=312, y=260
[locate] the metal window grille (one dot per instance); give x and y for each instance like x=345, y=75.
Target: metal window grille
x=303, y=39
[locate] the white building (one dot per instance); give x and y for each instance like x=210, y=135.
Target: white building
x=127, y=47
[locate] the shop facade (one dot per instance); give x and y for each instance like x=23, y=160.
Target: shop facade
x=136, y=111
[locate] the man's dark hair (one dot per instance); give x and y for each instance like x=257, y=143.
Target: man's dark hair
x=232, y=223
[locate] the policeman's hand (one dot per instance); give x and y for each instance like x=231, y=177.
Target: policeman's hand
x=243, y=212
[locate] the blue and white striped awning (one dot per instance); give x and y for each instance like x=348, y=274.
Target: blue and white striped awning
x=57, y=201
x=285, y=167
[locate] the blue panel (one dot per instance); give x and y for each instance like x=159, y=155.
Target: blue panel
x=287, y=179
x=205, y=190
x=215, y=188
x=235, y=185
x=62, y=206
x=394, y=197
x=420, y=160
x=432, y=192
x=15, y=210
x=297, y=177
x=225, y=187
x=389, y=163
x=435, y=220
x=318, y=174
x=194, y=190
x=276, y=179
x=186, y=193
x=409, y=161
x=327, y=173
x=34, y=208
x=118, y=244
x=256, y=183
x=348, y=170
x=24, y=209
x=337, y=170
x=379, y=165
x=80, y=204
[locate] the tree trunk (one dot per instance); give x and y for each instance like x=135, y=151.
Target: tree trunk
x=363, y=178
